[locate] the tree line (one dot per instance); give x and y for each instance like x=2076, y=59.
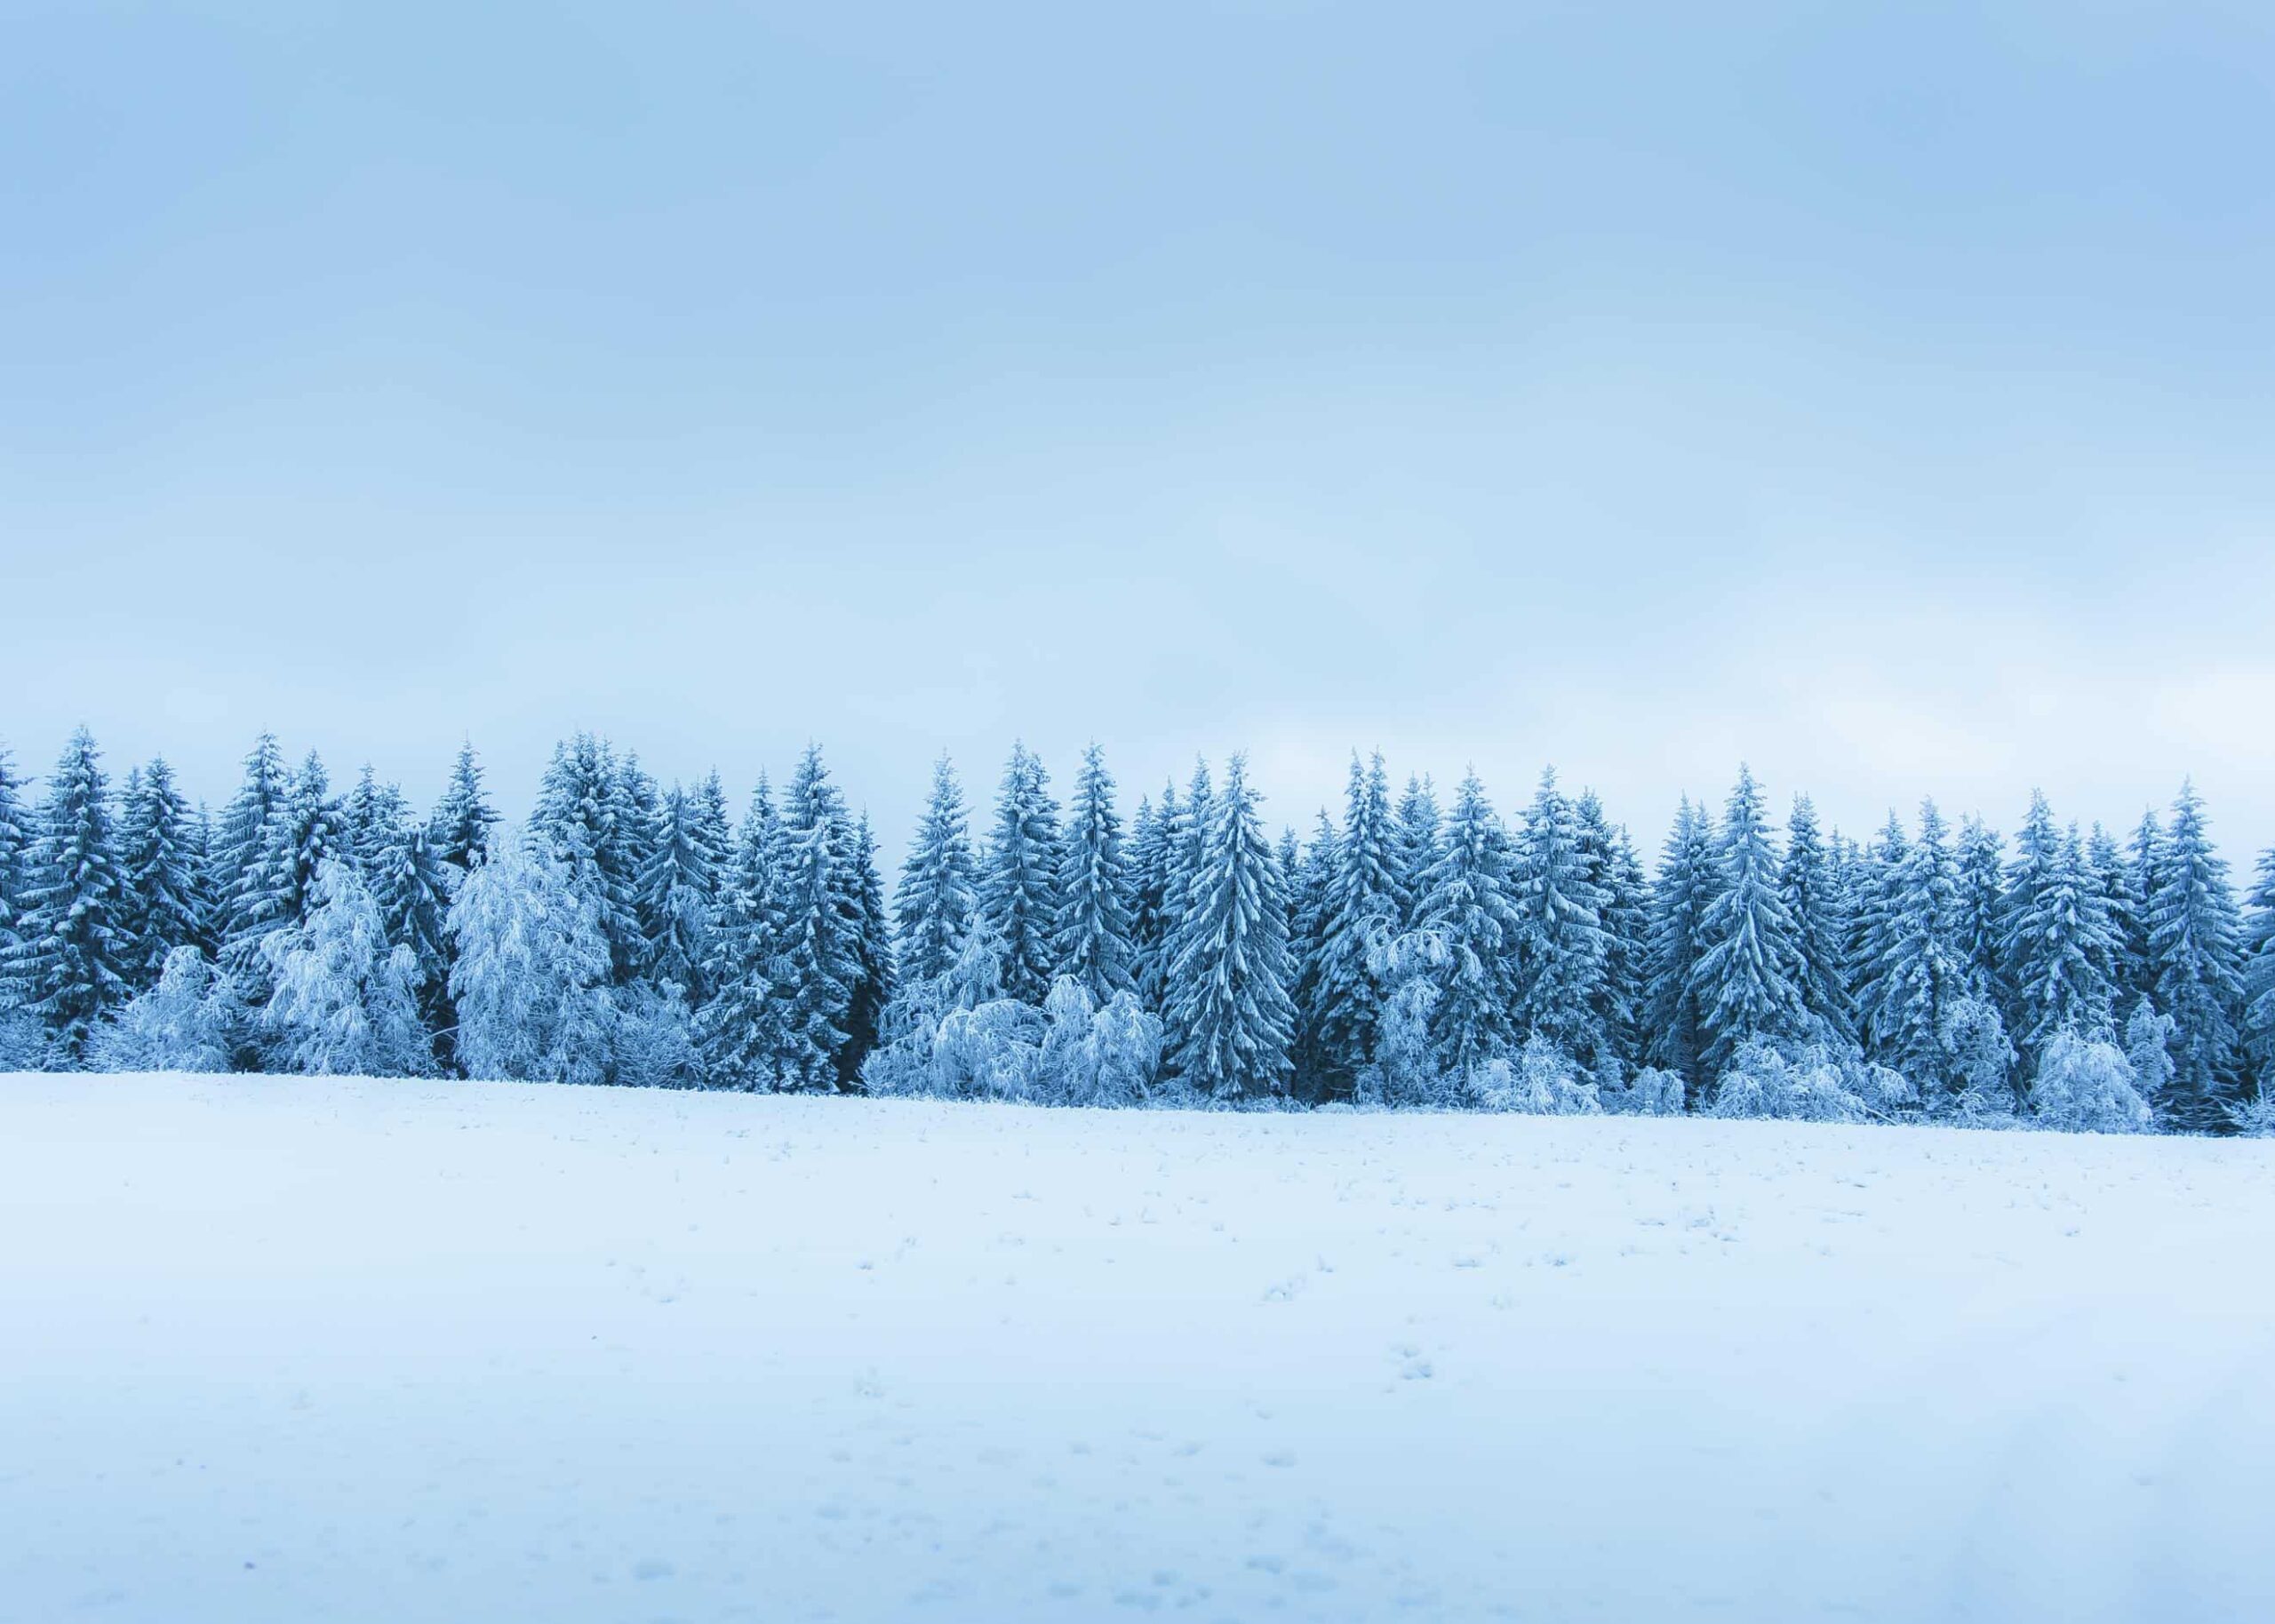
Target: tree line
x=1413, y=952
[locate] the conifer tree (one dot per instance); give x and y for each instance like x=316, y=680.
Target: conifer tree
x=530, y=972
x=304, y=829
x=68, y=966
x=1688, y=881
x=1876, y=886
x=675, y=895
x=1815, y=901
x=2193, y=931
x=1311, y=885
x=161, y=905
x=1747, y=974
x=2113, y=879
x=742, y=1028
x=939, y=892
x=1093, y=932
x=1230, y=1018
x=1153, y=839
x=1558, y=947
x=820, y=968
x=364, y=814
x=1415, y=841
x=1979, y=887
x=1626, y=915
x=15, y=846
x=460, y=831
x=345, y=1003
x=1366, y=901
x=583, y=814
x=2259, y=975
x=1920, y=973
x=1019, y=883
x=241, y=837
x=873, y=956
x=2058, y=947
x=1472, y=907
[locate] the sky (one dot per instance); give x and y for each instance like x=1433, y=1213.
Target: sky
x=1881, y=396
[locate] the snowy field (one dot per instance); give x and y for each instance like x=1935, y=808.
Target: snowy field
x=283, y=1349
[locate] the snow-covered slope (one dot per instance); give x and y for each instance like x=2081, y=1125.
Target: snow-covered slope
x=282, y=1349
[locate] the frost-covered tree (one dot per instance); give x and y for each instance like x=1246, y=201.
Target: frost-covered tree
x=875, y=971
x=1688, y=881
x=1153, y=839
x=1367, y=899
x=1745, y=980
x=2121, y=903
x=411, y=886
x=1558, y=946
x=2084, y=1084
x=1414, y=840
x=1875, y=897
x=531, y=979
x=1918, y=973
x=15, y=846
x=1405, y=1069
x=587, y=818
x=344, y=1003
x=2148, y=1050
x=2056, y=945
x=305, y=831
x=1978, y=884
x=676, y=893
x=186, y=1022
x=363, y=811
x=1230, y=1019
x=2259, y=973
x=239, y=839
x=820, y=934
x=162, y=906
x=1816, y=903
x=1810, y=1082
x=1093, y=932
x=938, y=891
x=1018, y=891
x=68, y=965
x=2192, y=961
x=1540, y=1081
x=1980, y=1060
x=1625, y=915
x=1471, y=904
x=742, y=1028
x=460, y=831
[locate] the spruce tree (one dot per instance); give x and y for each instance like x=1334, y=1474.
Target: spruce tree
x=412, y=886
x=820, y=943
x=742, y=1028
x=344, y=1002
x=939, y=892
x=305, y=829
x=1093, y=933
x=163, y=905
x=460, y=831
x=2113, y=879
x=1979, y=884
x=1230, y=1020
x=1311, y=885
x=1472, y=910
x=1688, y=880
x=1019, y=881
x=1626, y=915
x=240, y=836
x=1876, y=886
x=15, y=845
x=675, y=894
x=1366, y=901
x=530, y=971
x=1746, y=978
x=1559, y=948
x=2193, y=932
x=1810, y=885
x=1153, y=837
x=1921, y=973
x=873, y=956
x=585, y=814
x=68, y=964
x=1415, y=841
x=2259, y=974
x=2058, y=946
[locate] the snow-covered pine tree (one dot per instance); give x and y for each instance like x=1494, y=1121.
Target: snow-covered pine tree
x=1186, y=838
x=1093, y=931
x=68, y=966
x=412, y=886
x=2259, y=975
x=583, y=814
x=364, y=812
x=1979, y=886
x=1472, y=906
x=2143, y=865
x=1151, y=838
x=240, y=836
x=1746, y=979
x=873, y=956
x=1921, y=973
x=675, y=895
x=1876, y=891
x=2113, y=879
x=1559, y=948
x=1310, y=884
x=1688, y=880
x=2193, y=932
x=460, y=831
x=15, y=845
x=1414, y=840
x=1367, y=901
x=163, y=904
x=821, y=929
x=2056, y=945
x=742, y=1029
x=344, y=1003
x=1626, y=915
x=306, y=830
x=530, y=975
x=1230, y=1020
x=938, y=889
x=1018, y=891
x=1815, y=901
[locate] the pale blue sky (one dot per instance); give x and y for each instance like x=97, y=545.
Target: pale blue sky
x=1879, y=394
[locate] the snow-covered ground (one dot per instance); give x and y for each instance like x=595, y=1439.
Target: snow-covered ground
x=285, y=1349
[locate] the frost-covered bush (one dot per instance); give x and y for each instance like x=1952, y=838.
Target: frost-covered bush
x=531, y=983
x=23, y=1041
x=1651, y=1092
x=654, y=1038
x=993, y=1052
x=1405, y=1069
x=2086, y=1085
x=1068, y=1052
x=186, y=1023
x=1542, y=1081
x=2255, y=1118
x=343, y=1003
x=1981, y=1061
x=1095, y=1057
x=1809, y=1082
x=2148, y=1050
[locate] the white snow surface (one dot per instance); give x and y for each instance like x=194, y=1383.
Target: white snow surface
x=288, y=1349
